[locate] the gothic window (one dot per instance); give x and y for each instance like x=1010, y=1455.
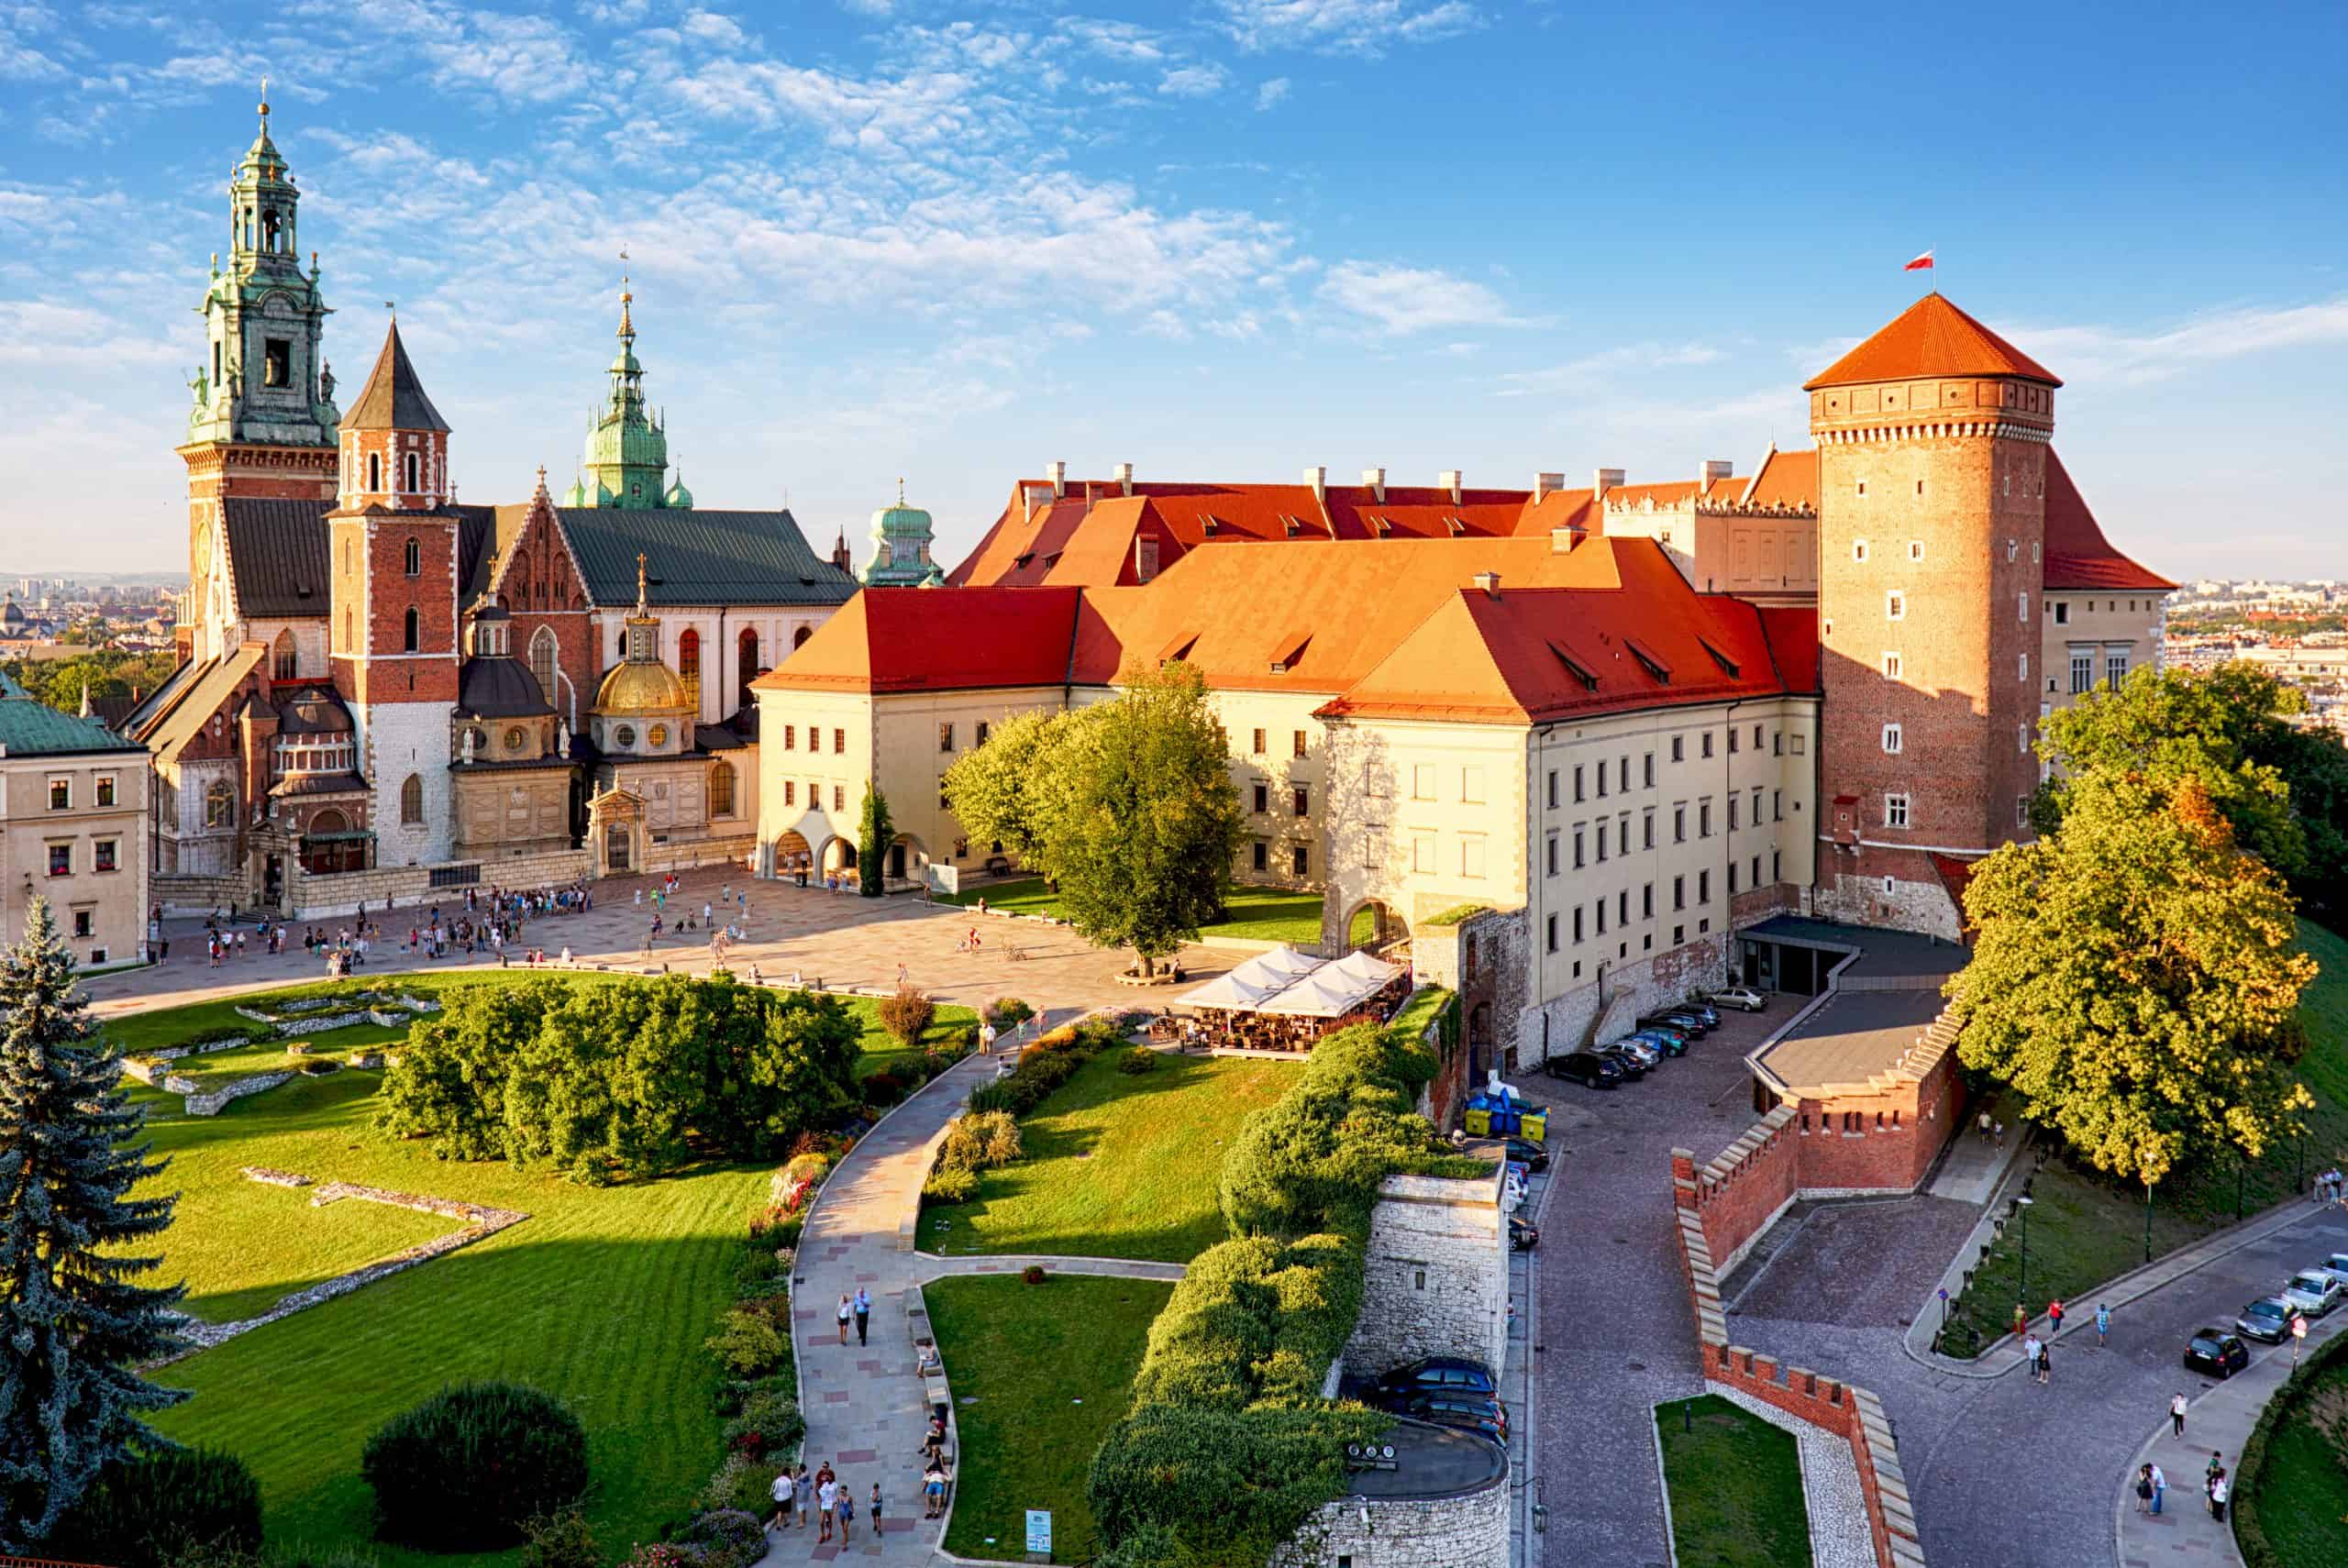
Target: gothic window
x=689, y=660
x=219, y=805
x=749, y=665
x=721, y=790
x=375, y=480
x=412, y=802
x=414, y=476
x=801, y=635
x=412, y=559
x=277, y=362
x=542, y=661
x=409, y=629
x=281, y=658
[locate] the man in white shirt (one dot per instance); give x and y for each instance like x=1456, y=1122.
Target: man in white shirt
x=825, y=1495
x=783, y=1490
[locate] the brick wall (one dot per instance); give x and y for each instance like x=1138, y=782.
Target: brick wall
x=1436, y=1274
x=1745, y=1187
x=1878, y=1141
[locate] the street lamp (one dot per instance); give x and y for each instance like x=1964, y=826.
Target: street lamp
x=2022, y=1289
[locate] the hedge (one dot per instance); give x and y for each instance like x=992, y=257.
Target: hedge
x=2250, y=1532
x=466, y=1468
x=148, y=1512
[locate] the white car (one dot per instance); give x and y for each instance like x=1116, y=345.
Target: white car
x=1742, y=998
x=2314, y=1291
x=1648, y=1054
x=2336, y=1266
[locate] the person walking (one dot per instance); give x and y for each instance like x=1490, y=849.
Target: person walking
x=876, y=1510
x=863, y=1315
x=805, y=1490
x=847, y=1310
x=826, y=1495
x=847, y=1505
x=2144, y=1490
x=2030, y=1354
x=782, y=1491
x=2215, y=1468
x=2055, y=1318
x=2103, y=1325
x=2160, y=1486
x=2219, y=1492
x=2046, y=1362
x=1984, y=1126
x=2176, y=1416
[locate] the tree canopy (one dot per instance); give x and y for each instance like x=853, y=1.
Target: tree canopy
x=2135, y=977
x=989, y=786
x=107, y=672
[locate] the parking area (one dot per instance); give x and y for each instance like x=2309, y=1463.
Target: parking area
x=1613, y=1334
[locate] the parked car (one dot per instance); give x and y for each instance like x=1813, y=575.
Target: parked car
x=2314, y=1292
x=2268, y=1319
x=1470, y=1413
x=1436, y=1375
x=1669, y=1041
x=1526, y=1153
x=1632, y=1064
x=1646, y=1050
x=2216, y=1353
x=1585, y=1068
x=1686, y=1022
x=1698, y=1008
x=2336, y=1266
x=1522, y=1235
x=1744, y=998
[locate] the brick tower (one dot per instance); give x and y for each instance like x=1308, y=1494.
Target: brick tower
x=393, y=632
x=1931, y=483
x=263, y=420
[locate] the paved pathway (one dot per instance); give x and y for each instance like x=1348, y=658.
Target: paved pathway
x=2183, y=1535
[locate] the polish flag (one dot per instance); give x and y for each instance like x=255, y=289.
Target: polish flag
x=1920, y=264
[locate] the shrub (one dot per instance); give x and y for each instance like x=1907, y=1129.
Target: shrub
x=560, y=1540
x=950, y=1187
x=739, y=1481
x=885, y=1088
x=1008, y=1012
x=1033, y=1274
x=905, y=1014
x=980, y=1141
x=727, y=1538
x=1140, y=1059
x=462, y=1471
x=768, y=1422
x=747, y=1342
x=777, y=1228
x=147, y=1513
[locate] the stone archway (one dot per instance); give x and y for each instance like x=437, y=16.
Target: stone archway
x=907, y=857
x=1377, y=927
x=839, y=858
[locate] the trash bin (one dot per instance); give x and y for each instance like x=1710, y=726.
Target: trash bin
x=1479, y=1117
x=1536, y=1122
x=1505, y=1119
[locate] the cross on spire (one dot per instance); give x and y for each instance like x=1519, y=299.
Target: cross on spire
x=627, y=327
x=640, y=604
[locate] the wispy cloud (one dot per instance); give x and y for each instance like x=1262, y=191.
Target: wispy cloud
x=1602, y=370
x=1364, y=27
x=1200, y=81
x=2133, y=357
x=1271, y=92
x=1403, y=300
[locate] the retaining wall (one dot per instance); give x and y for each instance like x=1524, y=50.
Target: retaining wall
x=1435, y=1274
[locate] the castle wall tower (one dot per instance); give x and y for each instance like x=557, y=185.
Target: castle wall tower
x=392, y=637
x=262, y=422
x=1931, y=481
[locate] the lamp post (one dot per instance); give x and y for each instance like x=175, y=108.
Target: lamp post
x=2023, y=1206
x=2148, y=1221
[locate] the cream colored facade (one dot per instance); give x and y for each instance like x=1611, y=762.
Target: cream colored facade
x=2089, y=637
x=73, y=830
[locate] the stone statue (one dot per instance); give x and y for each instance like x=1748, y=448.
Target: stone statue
x=469, y=743
x=202, y=386
x=326, y=383
x=562, y=737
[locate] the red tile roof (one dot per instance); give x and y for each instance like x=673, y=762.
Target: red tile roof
x=2077, y=555
x=1930, y=337
x=928, y=639
x=1785, y=478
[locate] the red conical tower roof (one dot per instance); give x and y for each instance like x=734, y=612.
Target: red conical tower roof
x=393, y=398
x=1930, y=337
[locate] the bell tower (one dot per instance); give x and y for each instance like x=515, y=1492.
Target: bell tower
x=262, y=420
x=1932, y=526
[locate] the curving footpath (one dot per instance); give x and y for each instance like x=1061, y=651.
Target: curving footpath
x=864, y=1410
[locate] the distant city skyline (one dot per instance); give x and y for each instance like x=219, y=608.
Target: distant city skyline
x=1220, y=241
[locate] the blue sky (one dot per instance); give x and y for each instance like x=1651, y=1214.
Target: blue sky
x=1219, y=240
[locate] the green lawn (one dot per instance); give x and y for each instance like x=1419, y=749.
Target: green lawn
x=1736, y=1485
x=603, y=1296
x=2300, y=1501
x=2085, y=1229
x=1116, y=1165
x=1040, y=1373
x=1252, y=914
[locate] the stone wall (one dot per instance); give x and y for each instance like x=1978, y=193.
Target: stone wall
x=408, y=887
x=218, y=1100
x=1469, y=1530
x=1436, y=1274
x=1606, y=1009
x=188, y=893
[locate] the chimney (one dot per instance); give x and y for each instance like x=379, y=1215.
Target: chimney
x=1489, y=581
x=1563, y=540
x=1058, y=472
x=1318, y=478
x=1713, y=469
x=1449, y=479
x=1547, y=484
x=1374, y=481
x=1038, y=496
x=1603, y=480
x=1124, y=474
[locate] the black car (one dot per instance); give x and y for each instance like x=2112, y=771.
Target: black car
x=2268, y=1319
x=1585, y=1068
x=2216, y=1353
x=1434, y=1375
x=1473, y=1412
x=1632, y=1067
x=1528, y=1153
x=1703, y=1012
x=1687, y=1024
x=1522, y=1235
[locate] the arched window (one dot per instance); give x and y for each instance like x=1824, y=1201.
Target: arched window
x=688, y=660
x=347, y=647
x=374, y=471
x=721, y=790
x=412, y=559
x=219, y=805
x=409, y=629
x=799, y=637
x=412, y=802
x=748, y=666
x=413, y=473
x=542, y=652
x=281, y=656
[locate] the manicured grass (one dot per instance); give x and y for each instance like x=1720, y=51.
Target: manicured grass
x=1736, y=1485
x=2085, y=1228
x=1116, y=1165
x=1040, y=1373
x=1252, y=914
x=2300, y=1501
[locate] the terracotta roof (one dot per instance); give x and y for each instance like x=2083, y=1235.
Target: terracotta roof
x=1930, y=337
x=929, y=639
x=2077, y=555
x=1784, y=478
x=1792, y=632
x=393, y=397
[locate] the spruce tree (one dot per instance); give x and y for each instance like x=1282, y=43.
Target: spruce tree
x=874, y=835
x=74, y=1331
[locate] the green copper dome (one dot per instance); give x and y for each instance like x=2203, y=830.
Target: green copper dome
x=900, y=541
x=626, y=461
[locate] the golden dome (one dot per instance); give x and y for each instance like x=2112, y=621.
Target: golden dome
x=642, y=688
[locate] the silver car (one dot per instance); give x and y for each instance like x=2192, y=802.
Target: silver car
x=2336, y=1266
x=1648, y=1054
x=2314, y=1291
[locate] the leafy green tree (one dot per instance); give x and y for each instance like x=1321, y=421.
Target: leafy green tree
x=74, y=1330
x=1135, y=817
x=874, y=833
x=2135, y=981
x=990, y=789
x=108, y=672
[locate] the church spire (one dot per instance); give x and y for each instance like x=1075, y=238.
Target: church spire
x=625, y=464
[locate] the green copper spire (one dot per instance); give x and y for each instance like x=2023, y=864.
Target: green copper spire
x=626, y=461
x=264, y=381
x=900, y=541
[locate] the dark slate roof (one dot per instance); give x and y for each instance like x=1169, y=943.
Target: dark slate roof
x=699, y=557
x=494, y=688
x=319, y=784
x=393, y=398
x=278, y=554
x=314, y=711
x=32, y=728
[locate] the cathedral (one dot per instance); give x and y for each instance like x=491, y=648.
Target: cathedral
x=383, y=690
